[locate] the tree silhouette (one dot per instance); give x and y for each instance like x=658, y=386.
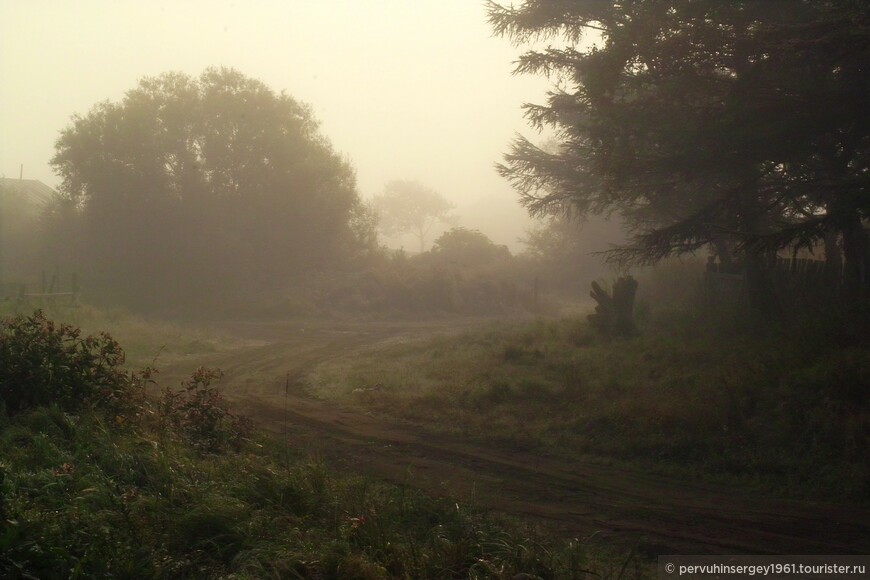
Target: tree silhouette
x=701, y=122
x=410, y=207
x=197, y=187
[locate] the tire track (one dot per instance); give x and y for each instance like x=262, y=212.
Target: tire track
x=579, y=498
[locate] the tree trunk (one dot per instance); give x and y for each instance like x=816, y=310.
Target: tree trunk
x=833, y=259
x=723, y=251
x=760, y=293
x=856, y=254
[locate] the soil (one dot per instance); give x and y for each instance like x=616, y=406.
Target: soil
x=579, y=498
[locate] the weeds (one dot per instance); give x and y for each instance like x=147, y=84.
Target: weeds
x=200, y=415
x=42, y=362
x=105, y=504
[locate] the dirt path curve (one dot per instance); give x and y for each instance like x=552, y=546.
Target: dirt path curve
x=659, y=514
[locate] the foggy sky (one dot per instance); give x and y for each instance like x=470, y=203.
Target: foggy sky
x=405, y=89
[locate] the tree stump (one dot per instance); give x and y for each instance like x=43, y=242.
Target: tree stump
x=614, y=313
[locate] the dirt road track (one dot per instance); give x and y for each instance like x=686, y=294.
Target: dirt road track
x=659, y=514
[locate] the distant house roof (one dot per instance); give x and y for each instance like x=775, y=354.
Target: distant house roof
x=32, y=190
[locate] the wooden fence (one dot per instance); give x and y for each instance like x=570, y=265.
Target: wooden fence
x=794, y=279
x=47, y=291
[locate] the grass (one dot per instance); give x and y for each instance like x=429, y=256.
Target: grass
x=82, y=497
x=782, y=411
x=146, y=342
x=177, y=487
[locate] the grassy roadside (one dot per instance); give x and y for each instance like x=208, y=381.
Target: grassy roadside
x=782, y=412
x=83, y=498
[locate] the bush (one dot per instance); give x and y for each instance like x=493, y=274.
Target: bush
x=42, y=363
x=199, y=413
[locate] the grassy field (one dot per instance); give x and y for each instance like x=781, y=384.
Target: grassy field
x=94, y=492
x=110, y=483
x=146, y=341
x=782, y=411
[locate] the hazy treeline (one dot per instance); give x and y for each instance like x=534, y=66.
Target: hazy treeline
x=463, y=273
x=215, y=193
x=20, y=235
x=201, y=189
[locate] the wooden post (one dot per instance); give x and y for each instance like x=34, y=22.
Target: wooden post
x=535, y=292
x=624, y=291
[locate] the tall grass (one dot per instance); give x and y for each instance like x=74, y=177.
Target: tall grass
x=83, y=498
x=784, y=409
x=145, y=341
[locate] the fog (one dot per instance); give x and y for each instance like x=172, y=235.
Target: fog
x=307, y=223
x=404, y=90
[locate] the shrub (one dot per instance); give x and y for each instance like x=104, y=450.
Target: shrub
x=199, y=413
x=42, y=363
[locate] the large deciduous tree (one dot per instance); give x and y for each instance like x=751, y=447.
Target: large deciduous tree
x=216, y=185
x=411, y=207
x=742, y=126
x=468, y=248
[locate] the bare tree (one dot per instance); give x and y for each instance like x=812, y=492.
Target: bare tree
x=410, y=207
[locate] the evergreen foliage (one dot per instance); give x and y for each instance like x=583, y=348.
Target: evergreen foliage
x=738, y=126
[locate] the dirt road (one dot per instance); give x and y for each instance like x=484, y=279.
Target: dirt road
x=658, y=514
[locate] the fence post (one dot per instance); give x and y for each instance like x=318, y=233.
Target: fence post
x=535, y=292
